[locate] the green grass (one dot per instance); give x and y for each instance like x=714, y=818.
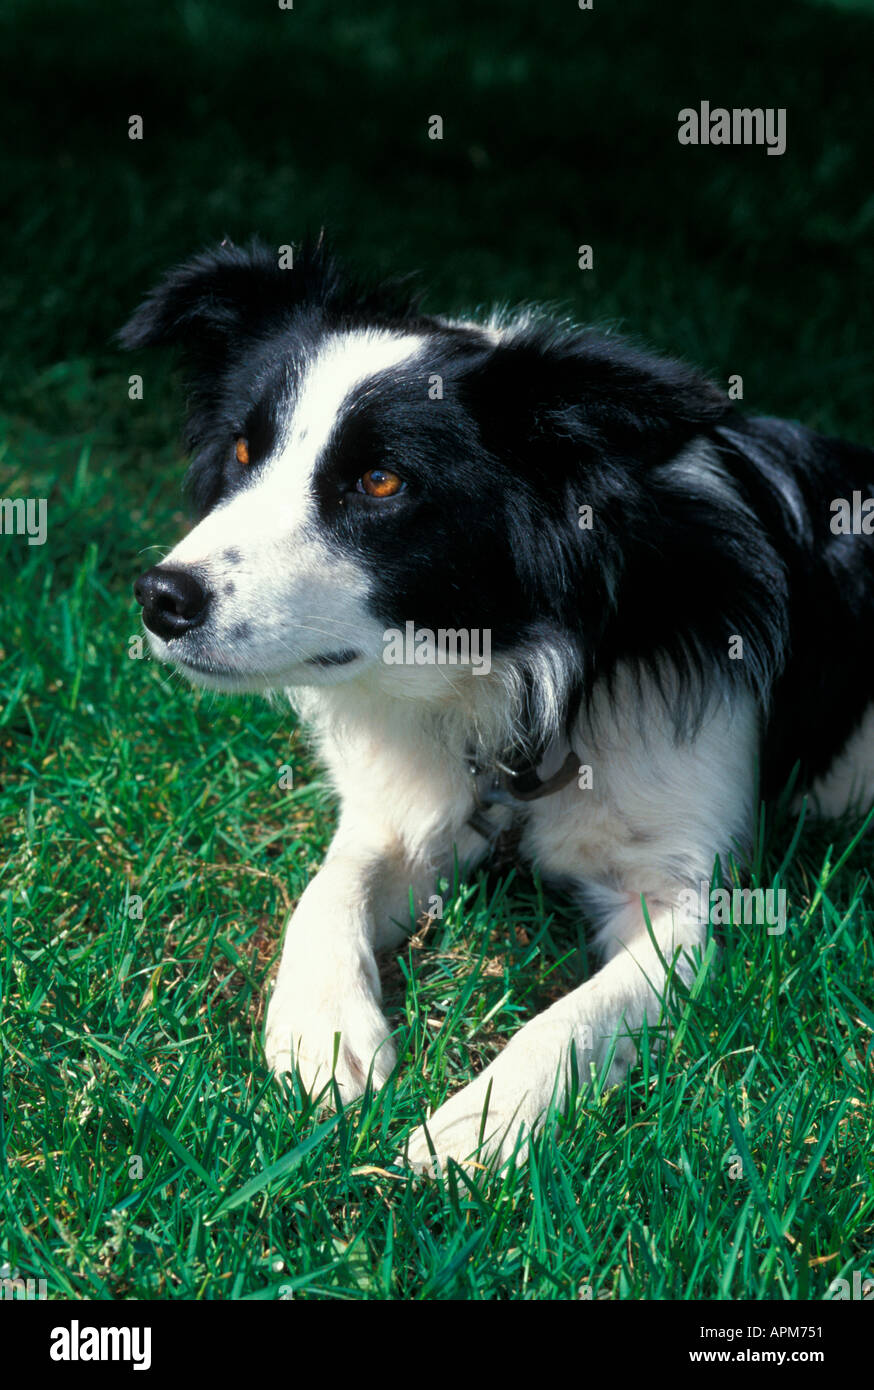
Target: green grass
x=128, y=1037
x=129, y=1032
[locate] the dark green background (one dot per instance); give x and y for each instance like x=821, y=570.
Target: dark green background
x=560, y=128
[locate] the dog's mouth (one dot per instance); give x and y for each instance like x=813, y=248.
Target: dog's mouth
x=341, y=658
x=218, y=669
x=212, y=668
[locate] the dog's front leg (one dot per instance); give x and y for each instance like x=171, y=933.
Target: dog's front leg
x=483, y=1121
x=328, y=982
x=680, y=808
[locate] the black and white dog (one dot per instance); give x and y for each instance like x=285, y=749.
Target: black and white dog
x=512, y=573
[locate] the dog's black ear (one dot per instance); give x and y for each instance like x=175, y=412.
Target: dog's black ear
x=207, y=300
x=232, y=292
x=635, y=394
x=558, y=387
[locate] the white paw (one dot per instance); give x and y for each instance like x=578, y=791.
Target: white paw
x=301, y=1035
x=481, y=1124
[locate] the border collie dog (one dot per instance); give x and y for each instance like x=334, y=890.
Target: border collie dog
x=519, y=577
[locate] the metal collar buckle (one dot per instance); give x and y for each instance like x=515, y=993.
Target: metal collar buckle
x=503, y=785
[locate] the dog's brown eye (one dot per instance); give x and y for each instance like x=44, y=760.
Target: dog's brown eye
x=380, y=482
x=242, y=450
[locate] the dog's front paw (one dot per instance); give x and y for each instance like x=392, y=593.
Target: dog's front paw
x=302, y=1035
x=463, y=1129
x=483, y=1123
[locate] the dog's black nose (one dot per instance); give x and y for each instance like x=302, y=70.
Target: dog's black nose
x=173, y=601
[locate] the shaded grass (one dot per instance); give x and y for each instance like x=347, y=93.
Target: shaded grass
x=560, y=128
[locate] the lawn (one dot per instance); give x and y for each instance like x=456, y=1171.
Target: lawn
x=149, y=853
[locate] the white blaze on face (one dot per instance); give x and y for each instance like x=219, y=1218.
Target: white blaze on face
x=282, y=594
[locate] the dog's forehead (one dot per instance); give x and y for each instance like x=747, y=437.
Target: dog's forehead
x=343, y=368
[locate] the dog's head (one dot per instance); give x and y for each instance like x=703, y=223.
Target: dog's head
x=359, y=466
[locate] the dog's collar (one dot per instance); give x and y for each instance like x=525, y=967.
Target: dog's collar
x=503, y=784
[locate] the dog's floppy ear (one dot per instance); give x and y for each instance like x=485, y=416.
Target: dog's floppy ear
x=231, y=292
x=558, y=387
x=635, y=394
x=207, y=300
